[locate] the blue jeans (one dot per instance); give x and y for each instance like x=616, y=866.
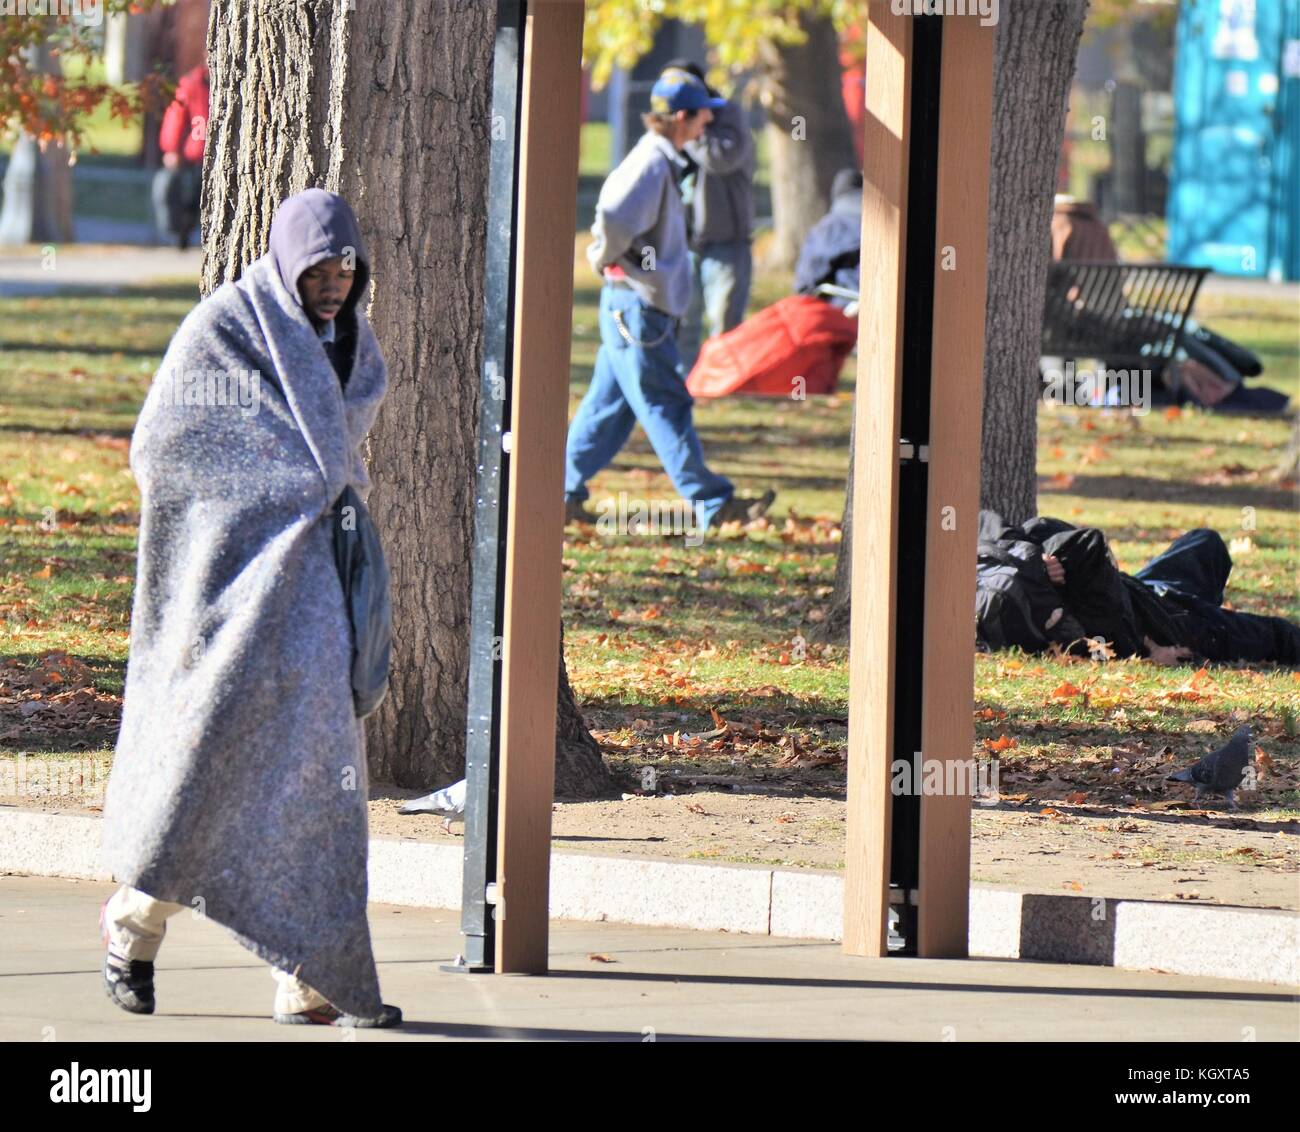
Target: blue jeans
x=721, y=274
x=643, y=382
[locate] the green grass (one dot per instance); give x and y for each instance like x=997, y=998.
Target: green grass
x=659, y=634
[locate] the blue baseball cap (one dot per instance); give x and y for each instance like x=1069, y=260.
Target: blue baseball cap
x=678, y=89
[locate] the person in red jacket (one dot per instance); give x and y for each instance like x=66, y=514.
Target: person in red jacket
x=184, y=132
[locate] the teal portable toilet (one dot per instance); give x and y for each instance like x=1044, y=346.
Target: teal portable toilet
x=1234, y=196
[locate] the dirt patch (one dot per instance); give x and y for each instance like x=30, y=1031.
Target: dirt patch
x=1200, y=856
x=1192, y=855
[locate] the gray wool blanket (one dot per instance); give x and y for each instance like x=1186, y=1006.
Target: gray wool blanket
x=239, y=785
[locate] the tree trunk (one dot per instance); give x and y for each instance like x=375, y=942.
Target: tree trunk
x=1033, y=68
x=580, y=772
x=808, y=133
x=37, y=207
x=836, y=626
x=392, y=111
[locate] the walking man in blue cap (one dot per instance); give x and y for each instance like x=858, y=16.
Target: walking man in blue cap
x=640, y=250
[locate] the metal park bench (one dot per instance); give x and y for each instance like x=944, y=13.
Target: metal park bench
x=1129, y=315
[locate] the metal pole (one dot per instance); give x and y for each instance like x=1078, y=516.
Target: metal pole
x=483, y=724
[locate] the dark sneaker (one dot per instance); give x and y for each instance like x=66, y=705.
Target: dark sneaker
x=129, y=983
x=575, y=512
x=739, y=508
x=330, y=1015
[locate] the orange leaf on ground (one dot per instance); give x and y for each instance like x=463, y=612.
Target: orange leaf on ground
x=1065, y=691
x=1001, y=743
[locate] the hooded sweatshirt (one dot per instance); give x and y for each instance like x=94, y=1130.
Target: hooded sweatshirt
x=309, y=227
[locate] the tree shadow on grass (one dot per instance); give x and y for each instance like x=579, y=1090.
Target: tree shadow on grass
x=1168, y=492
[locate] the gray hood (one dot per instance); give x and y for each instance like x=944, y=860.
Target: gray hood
x=315, y=225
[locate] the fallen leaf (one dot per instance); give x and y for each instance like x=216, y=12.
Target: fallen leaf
x=1002, y=743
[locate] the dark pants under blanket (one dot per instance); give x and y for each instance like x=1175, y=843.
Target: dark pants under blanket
x=1189, y=578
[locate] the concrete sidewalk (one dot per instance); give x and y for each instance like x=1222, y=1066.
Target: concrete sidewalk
x=28, y=271
x=662, y=984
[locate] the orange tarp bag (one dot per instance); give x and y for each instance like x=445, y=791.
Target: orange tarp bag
x=798, y=337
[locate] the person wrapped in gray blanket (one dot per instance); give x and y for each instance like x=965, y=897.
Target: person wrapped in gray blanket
x=239, y=784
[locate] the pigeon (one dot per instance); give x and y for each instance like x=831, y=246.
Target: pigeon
x=1220, y=771
x=450, y=803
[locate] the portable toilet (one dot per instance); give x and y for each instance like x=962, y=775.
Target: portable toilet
x=1234, y=198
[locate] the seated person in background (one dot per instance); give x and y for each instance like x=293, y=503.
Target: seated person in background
x=833, y=246
x=1078, y=233
x=1047, y=581
x=1209, y=368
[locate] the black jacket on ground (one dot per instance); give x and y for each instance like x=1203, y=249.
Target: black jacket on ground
x=1096, y=600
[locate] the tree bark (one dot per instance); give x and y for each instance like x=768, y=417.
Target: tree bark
x=836, y=626
x=392, y=111
x=580, y=771
x=37, y=206
x=1033, y=69
x=807, y=133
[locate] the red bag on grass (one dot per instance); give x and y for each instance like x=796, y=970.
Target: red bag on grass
x=800, y=336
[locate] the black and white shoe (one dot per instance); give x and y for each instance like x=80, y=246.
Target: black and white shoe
x=128, y=982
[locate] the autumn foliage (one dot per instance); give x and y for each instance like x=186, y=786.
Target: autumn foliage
x=47, y=103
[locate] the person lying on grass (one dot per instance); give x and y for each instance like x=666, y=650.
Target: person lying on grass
x=1047, y=582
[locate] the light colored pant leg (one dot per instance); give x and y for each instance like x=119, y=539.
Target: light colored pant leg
x=136, y=923
x=292, y=995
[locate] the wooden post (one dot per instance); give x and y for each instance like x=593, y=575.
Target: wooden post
x=877, y=401
x=957, y=382
x=958, y=198
x=548, y=187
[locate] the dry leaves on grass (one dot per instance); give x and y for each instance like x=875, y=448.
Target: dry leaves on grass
x=56, y=696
